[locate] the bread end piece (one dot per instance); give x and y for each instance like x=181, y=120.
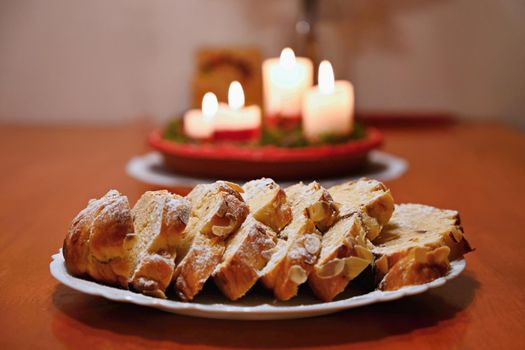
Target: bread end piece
x=420, y=265
x=417, y=245
x=95, y=244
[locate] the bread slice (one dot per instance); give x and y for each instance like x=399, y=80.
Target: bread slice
x=344, y=255
x=99, y=238
x=369, y=197
x=365, y=206
x=268, y=203
x=417, y=245
x=314, y=202
x=217, y=211
x=249, y=249
x=297, y=250
x=159, y=219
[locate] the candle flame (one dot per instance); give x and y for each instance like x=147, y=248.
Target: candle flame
x=235, y=96
x=326, y=77
x=287, y=58
x=210, y=105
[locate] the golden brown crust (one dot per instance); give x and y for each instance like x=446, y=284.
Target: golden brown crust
x=217, y=211
x=95, y=244
x=369, y=197
x=75, y=248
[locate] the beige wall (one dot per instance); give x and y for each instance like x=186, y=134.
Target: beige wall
x=113, y=60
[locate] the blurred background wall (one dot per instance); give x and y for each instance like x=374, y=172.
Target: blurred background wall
x=110, y=61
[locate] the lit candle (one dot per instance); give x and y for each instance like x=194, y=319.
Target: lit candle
x=234, y=121
x=285, y=80
x=329, y=107
x=198, y=124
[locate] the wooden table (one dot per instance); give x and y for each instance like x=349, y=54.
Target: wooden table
x=48, y=174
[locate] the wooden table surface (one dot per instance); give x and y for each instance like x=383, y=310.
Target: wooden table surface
x=48, y=174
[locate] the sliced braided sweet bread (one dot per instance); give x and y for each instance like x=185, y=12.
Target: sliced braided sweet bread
x=371, y=198
x=344, y=255
x=217, y=210
x=98, y=241
x=260, y=231
x=249, y=249
x=297, y=250
x=159, y=219
x=247, y=252
x=118, y=246
x=365, y=207
x=268, y=203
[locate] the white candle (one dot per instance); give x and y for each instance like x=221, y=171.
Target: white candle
x=285, y=80
x=198, y=123
x=329, y=107
x=234, y=116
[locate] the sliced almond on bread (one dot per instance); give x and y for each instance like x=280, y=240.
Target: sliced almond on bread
x=314, y=202
x=313, y=210
x=364, y=207
x=344, y=255
x=417, y=244
x=249, y=249
x=371, y=198
x=268, y=203
x=217, y=211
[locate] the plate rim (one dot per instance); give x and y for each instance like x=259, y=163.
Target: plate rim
x=258, y=312
x=137, y=167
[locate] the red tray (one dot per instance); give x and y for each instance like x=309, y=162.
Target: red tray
x=230, y=161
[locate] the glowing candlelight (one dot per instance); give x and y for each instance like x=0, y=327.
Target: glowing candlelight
x=234, y=120
x=198, y=124
x=285, y=80
x=235, y=96
x=329, y=107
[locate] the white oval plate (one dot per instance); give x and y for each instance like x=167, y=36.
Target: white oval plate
x=254, y=306
x=150, y=169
